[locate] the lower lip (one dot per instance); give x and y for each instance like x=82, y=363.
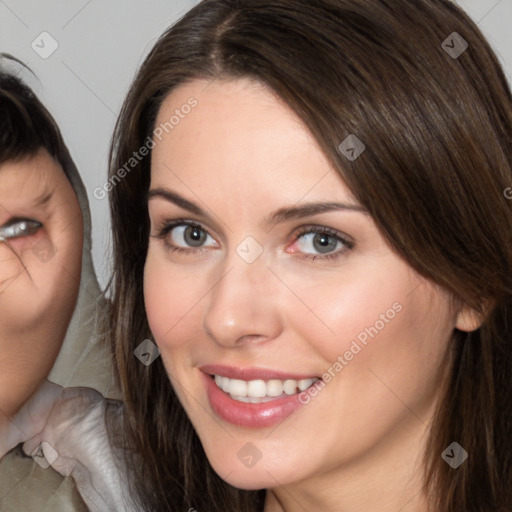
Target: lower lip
x=246, y=414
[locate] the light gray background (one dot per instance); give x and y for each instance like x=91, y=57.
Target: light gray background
x=101, y=43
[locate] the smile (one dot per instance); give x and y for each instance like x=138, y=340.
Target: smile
x=254, y=397
x=260, y=391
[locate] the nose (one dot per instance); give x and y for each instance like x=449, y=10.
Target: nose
x=243, y=306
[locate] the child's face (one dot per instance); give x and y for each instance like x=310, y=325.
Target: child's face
x=40, y=266
x=263, y=275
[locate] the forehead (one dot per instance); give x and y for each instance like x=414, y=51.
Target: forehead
x=239, y=136
x=40, y=166
x=31, y=180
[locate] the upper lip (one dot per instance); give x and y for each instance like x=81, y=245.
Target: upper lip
x=245, y=373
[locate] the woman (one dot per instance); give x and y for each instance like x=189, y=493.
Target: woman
x=316, y=239
x=51, y=318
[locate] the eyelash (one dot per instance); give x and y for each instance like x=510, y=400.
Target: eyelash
x=348, y=244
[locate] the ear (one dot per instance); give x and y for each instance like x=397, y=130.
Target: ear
x=469, y=319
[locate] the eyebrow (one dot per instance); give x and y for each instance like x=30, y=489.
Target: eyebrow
x=310, y=209
x=178, y=200
x=279, y=216
x=43, y=199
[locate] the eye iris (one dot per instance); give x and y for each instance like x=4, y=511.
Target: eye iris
x=324, y=243
x=194, y=236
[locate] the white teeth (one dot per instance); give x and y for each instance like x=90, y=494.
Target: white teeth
x=238, y=387
x=274, y=388
x=255, y=388
x=256, y=391
x=246, y=399
x=225, y=384
x=290, y=387
x=251, y=399
x=305, y=383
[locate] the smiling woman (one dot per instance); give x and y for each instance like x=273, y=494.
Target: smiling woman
x=343, y=162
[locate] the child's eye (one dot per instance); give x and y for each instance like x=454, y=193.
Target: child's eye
x=321, y=242
x=17, y=228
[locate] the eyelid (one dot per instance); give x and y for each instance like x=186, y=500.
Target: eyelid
x=316, y=228
x=168, y=225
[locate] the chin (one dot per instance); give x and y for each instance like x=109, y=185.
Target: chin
x=250, y=475
x=247, y=479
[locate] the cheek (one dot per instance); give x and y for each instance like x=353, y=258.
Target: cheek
x=174, y=313
x=38, y=300
x=49, y=283
x=10, y=268
x=390, y=350
x=340, y=308
x=35, y=310
x=23, y=289
x=17, y=254
x=373, y=332
x=171, y=300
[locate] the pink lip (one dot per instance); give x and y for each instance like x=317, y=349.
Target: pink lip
x=233, y=372
x=245, y=414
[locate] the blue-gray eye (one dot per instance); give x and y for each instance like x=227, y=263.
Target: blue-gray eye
x=321, y=243
x=186, y=235
x=18, y=228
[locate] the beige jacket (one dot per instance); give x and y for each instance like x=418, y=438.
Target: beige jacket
x=84, y=360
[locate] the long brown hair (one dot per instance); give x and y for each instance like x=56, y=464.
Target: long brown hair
x=436, y=124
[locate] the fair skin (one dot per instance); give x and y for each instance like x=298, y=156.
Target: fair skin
x=40, y=263
x=356, y=445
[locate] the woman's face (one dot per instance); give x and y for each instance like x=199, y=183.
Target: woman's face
x=266, y=278
x=40, y=263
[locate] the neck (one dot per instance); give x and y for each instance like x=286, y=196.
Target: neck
x=388, y=478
